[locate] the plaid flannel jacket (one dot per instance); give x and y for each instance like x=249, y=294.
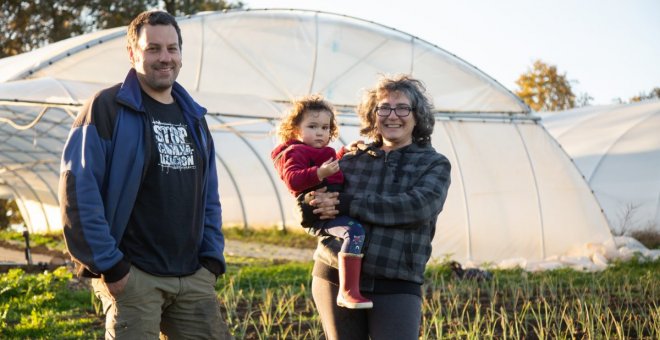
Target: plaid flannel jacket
x=397, y=196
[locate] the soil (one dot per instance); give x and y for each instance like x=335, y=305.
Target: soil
x=40, y=249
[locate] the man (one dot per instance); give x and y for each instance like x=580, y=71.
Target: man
x=139, y=196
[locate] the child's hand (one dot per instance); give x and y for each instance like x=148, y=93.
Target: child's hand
x=328, y=168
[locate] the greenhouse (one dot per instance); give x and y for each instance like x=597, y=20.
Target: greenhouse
x=617, y=149
x=515, y=193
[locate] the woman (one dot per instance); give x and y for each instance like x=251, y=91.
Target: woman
x=396, y=186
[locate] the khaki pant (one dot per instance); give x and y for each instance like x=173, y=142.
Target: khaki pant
x=170, y=307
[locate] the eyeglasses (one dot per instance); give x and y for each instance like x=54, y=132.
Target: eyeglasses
x=399, y=111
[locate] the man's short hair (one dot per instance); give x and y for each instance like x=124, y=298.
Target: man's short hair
x=156, y=17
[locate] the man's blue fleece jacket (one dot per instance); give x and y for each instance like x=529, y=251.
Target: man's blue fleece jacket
x=102, y=166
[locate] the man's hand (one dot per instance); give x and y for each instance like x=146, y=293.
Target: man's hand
x=328, y=168
x=116, y=288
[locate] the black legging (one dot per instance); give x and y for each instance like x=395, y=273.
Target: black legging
x=394, y=316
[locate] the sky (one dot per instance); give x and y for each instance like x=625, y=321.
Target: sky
x=609, y=49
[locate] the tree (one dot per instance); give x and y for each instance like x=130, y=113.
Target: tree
x=115, y=13
x=655, y=93
x=544, y=89
x=185, y=7
x=32, y=24
x=583, y=99
x=9, y=213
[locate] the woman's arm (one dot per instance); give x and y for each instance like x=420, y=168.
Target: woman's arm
x=325, y=203
x=420, y=202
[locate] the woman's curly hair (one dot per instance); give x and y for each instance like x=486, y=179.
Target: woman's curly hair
x=422, y=107
x=288, y=128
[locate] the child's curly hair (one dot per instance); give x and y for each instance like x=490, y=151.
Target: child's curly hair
x=288, y=128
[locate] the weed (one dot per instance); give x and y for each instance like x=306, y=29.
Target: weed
x=274, y=235
x=649, y=237
x=44, y=306
x=266, y=299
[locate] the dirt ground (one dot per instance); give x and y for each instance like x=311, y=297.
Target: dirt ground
x=14, y=253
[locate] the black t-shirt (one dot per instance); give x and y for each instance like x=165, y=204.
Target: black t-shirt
x=165, y=226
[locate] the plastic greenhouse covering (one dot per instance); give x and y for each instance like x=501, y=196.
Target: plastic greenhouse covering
x=516, y=198
x=617, y=149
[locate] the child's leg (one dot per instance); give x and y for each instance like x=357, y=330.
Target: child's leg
x=347, y=229
x=349, y=269
x=349, y=260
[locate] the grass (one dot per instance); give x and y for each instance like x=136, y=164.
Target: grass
x=45, y=306
x=44, y=243
x=53, y=243
x=295, y=238
x=621, y=302
x=288, y=238
x=268, y=299
x=263, y=299
x=649, y=237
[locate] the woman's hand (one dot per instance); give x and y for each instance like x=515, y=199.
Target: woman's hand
x=324, y=203
x=356, y=144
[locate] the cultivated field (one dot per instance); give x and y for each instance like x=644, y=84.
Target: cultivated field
x=269, y=299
